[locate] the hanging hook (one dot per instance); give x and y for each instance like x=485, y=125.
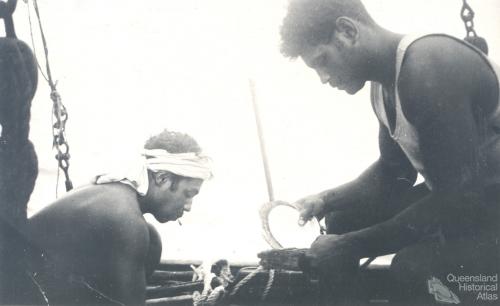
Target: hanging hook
x=7, y=8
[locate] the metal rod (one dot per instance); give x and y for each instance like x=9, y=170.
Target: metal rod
x=265, y=163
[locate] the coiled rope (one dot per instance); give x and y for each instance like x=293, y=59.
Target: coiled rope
x=250, y=276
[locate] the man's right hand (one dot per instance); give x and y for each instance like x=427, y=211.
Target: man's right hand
x=309, y=207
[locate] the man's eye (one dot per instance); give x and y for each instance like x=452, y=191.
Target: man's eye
x=190, y=194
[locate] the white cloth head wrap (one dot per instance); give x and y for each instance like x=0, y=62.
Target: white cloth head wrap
x=190, y=165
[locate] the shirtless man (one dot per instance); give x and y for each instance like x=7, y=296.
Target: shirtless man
x=437, y=101
x=97, y=246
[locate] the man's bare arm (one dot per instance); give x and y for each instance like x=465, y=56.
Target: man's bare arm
x=126, y=256
x=438, y=93
x=391, y=174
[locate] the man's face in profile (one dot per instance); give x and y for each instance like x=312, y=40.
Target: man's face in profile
x=173, y=197
x=336, y=63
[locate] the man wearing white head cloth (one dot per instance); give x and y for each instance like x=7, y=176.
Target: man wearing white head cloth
x=98, y=248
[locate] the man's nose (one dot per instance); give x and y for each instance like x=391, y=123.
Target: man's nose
x=323, y=76
x=187, y=205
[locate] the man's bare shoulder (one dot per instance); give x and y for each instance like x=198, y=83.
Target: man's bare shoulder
x=441, y=68
x=101, y=198
x=93, y=209
x=442, y=57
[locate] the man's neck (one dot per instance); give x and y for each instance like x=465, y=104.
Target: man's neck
x=142, y=203
x=382, y=53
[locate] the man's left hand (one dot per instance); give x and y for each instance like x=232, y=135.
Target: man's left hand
x=333, y=253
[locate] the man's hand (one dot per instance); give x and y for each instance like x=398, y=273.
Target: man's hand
x=309, y=207
x=333, y=253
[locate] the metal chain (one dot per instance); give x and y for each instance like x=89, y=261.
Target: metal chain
x=60, y=116
x=59, y=113
x=467, y=15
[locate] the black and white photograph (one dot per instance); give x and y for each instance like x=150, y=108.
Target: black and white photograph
x=237, y=152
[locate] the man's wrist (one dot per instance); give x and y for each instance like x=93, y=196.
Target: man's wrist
x=328, y=198
x=355, y=243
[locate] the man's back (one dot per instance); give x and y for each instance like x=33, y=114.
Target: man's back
x=418, y=99
x=95, y=243
x=449, y=93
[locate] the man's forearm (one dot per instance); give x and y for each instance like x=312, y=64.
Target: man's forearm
x=420, y=219
x=376, y=182
x=348, y=196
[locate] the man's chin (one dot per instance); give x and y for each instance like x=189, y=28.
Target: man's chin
x=166, y=219
x=354, y=88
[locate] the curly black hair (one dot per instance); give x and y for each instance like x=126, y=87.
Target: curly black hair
x=311, y=22
x=173, y=142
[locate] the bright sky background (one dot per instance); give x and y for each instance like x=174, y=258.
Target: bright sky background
x=127, y=69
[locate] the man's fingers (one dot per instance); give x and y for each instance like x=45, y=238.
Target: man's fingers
x=308, y=208
x=303, y=220
x=304, y=216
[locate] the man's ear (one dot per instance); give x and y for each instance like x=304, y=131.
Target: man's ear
x=161, y=178
x=347, y=31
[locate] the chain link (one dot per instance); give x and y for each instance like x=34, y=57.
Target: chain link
x=59, y=113
x=60, y=116
x=467, y=15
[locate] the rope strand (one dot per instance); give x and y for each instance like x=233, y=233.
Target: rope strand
x=245, y=280
x=45, y=48
x=59, y=112
x=40, y=289
x=249, y=277
x=269, y=285
x=33, y=43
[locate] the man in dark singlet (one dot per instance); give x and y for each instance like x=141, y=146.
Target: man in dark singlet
x=97, y=247
x=437, y=100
